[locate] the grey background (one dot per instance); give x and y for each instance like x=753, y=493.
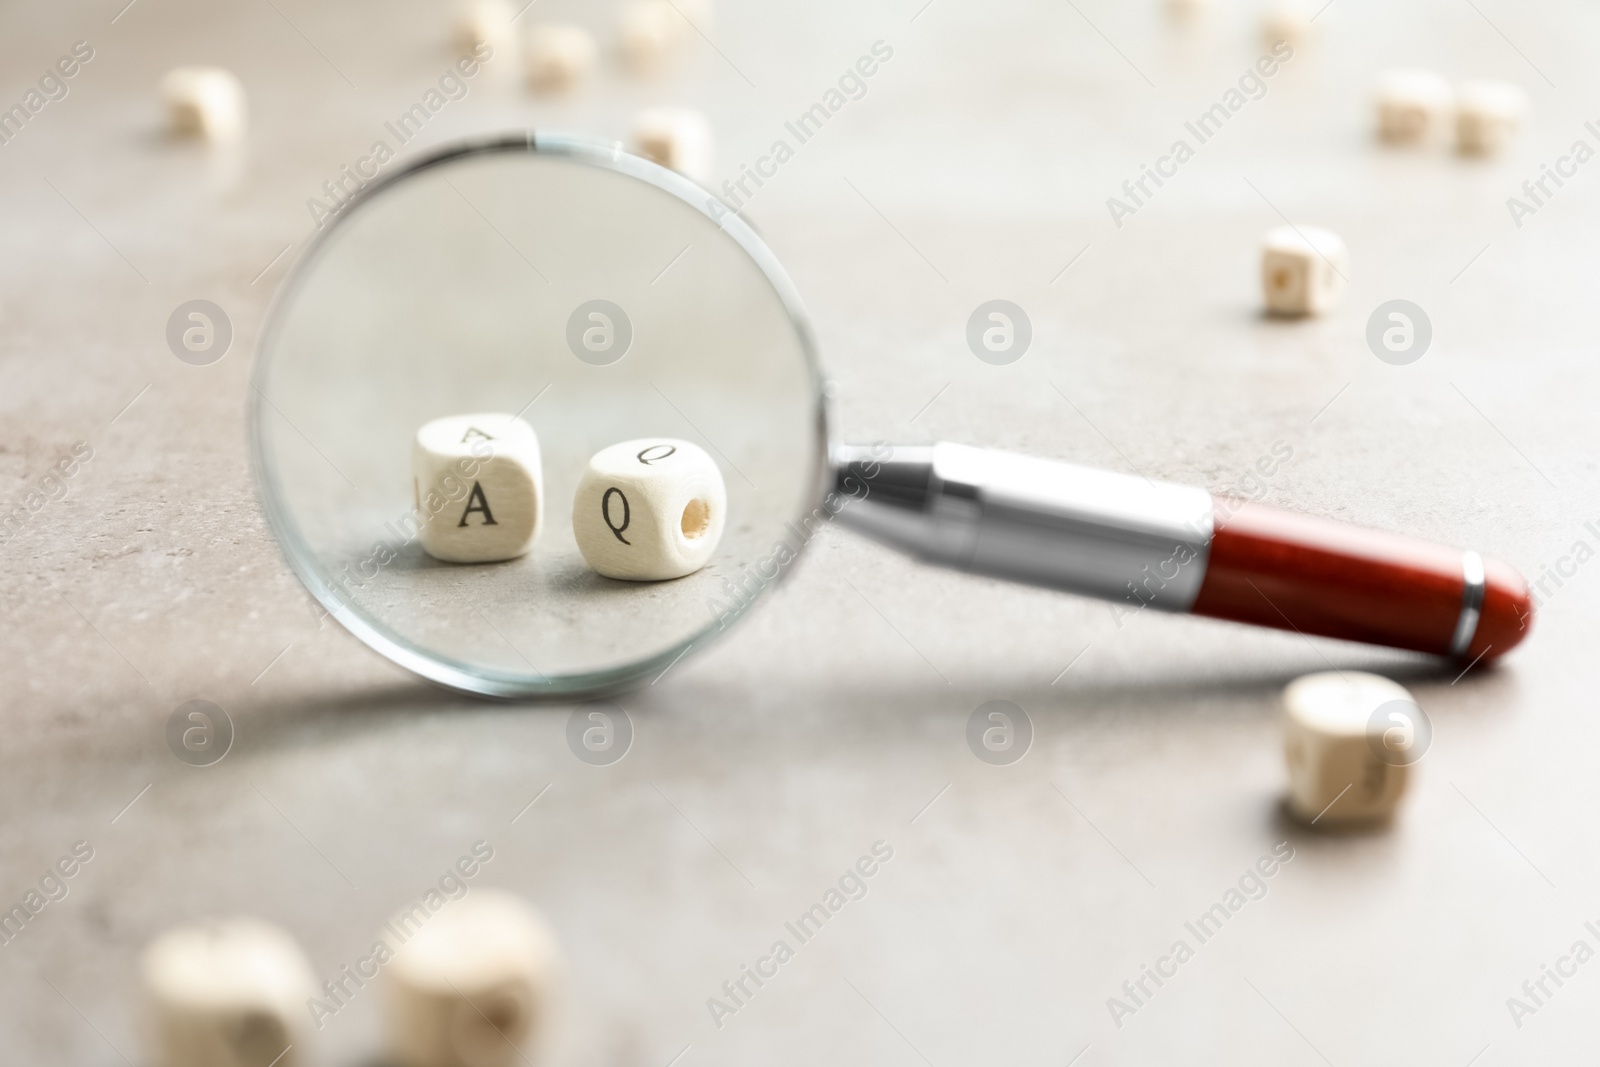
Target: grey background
x=1020, y=898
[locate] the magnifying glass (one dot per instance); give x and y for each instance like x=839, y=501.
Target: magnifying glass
x=600, y=301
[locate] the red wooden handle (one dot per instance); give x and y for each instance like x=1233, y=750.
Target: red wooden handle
x=1276, y=568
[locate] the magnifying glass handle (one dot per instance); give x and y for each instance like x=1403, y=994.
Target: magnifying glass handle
x=1171, y=547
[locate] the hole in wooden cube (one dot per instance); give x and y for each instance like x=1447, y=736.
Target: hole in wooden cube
x=479, y=487
x=205, y=102
x=230, y=993
x=471, y=986
x=1487, y=115
x=696, y=518
x=650, y=509
x=678, y=139
x=1349, y=740
x=1304, y=270
x=1412, y=105
x=558, y=58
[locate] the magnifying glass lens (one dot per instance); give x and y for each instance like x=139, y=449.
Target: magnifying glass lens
x=598, y=299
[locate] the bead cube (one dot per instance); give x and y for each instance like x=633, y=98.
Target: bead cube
x=478, y=486
x=1304, y=270
x=204, y=102
x=472, y=984
x=1349, y=739
x=558, y=58
x=649, y=509
x=1412, y=105
x=229, y=993
x=1487, y=116
x=651, y=32
x=676, y=138
x=487, y=22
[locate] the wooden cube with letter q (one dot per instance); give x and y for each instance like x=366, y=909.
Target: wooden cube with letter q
x=649, y=509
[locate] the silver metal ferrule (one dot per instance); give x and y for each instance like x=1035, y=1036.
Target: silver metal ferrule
x=1471, y=603
x=1044, y=522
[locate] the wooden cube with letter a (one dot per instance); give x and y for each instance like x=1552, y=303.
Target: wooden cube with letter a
x=479, y=487
x=226, y=993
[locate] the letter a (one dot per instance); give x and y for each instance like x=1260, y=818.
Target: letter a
x=477, y=502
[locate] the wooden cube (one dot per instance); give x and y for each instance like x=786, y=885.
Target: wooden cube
x=651, y=33
x=479, y=487
x=1286, y=21
x=1187, y=10
x=472, y=986
x=558, y=58
x=1304, y=270
x=649, y=509
x=678, y=139
x=229, y=993
x=1412, y=105
x=487, y=22
x=1345, y=764
x=205, y=102
x=700, y=12
x=1488, y=114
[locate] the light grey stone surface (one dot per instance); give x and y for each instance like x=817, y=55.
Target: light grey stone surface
x=1018, y=898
